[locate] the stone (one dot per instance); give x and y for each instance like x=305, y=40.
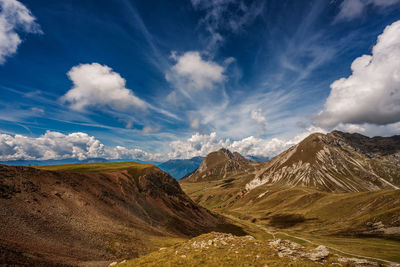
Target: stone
x=319, y=253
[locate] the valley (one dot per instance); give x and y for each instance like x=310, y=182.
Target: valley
x=339, y=190
x=229, y=211
x=191, y=133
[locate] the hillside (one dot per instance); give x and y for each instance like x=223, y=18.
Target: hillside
x=216, y=249
x=94, y=213
x=336, y=162
x=179, y=168
x=337, y=184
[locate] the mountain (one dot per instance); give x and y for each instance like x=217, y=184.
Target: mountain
x=329, y=184
x=83, y=214
x=220, y=179
x=333, y=162
x=219, y=165
x=336, y=162
x=178, y=168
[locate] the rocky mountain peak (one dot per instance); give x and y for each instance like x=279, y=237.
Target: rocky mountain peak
x=230, y=155
x=217, y=164
x=336, y=162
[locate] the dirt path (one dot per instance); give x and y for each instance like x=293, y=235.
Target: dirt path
x=274, y=233
x=332, y=248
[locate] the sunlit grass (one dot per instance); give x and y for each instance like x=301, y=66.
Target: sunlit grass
x=236, y=252
x=92, y=167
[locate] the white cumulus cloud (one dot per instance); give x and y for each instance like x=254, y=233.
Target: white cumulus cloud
x=14, y=18
x=98, y=86
x=56, y=145
x=120, y=152
x=51, y=145
x=197, y=145
x=263, y=147
x=371, y=94
x=192, y=72
x=81, y=146
x=203, y=144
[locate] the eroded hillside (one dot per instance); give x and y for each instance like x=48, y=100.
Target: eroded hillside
x=336, y=162
x=94, y=213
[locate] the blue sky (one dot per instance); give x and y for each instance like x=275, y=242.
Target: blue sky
x=154, y=80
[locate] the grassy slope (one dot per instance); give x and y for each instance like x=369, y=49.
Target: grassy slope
x=217, y=193
x=346, y=246
x=237, y=251
x=88, y=167
x=321, y=210
x=104, y=190
x=331, y=219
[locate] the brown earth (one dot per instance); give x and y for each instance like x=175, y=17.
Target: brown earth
x=92, y=218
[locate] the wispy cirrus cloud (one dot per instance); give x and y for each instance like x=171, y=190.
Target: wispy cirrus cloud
x=257, y=116
x=14, y=18
x=351, y=9
x=226, y=16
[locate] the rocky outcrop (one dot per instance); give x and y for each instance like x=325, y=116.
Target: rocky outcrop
x=218, y=249
x=287, y=248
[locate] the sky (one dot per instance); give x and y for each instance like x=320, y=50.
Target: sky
x=158, y=80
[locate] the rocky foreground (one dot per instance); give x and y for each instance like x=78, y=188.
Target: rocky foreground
x=218, y=249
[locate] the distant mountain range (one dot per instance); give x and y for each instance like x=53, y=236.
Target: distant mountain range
x=178, y=168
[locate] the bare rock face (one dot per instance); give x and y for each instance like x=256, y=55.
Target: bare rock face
x=287, y=248
x=319, y=253
x=336, y=162
x=358, y=262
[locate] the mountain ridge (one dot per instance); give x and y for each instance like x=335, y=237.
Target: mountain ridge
x=338, y=184
x=336, y=162
x=100, y=211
